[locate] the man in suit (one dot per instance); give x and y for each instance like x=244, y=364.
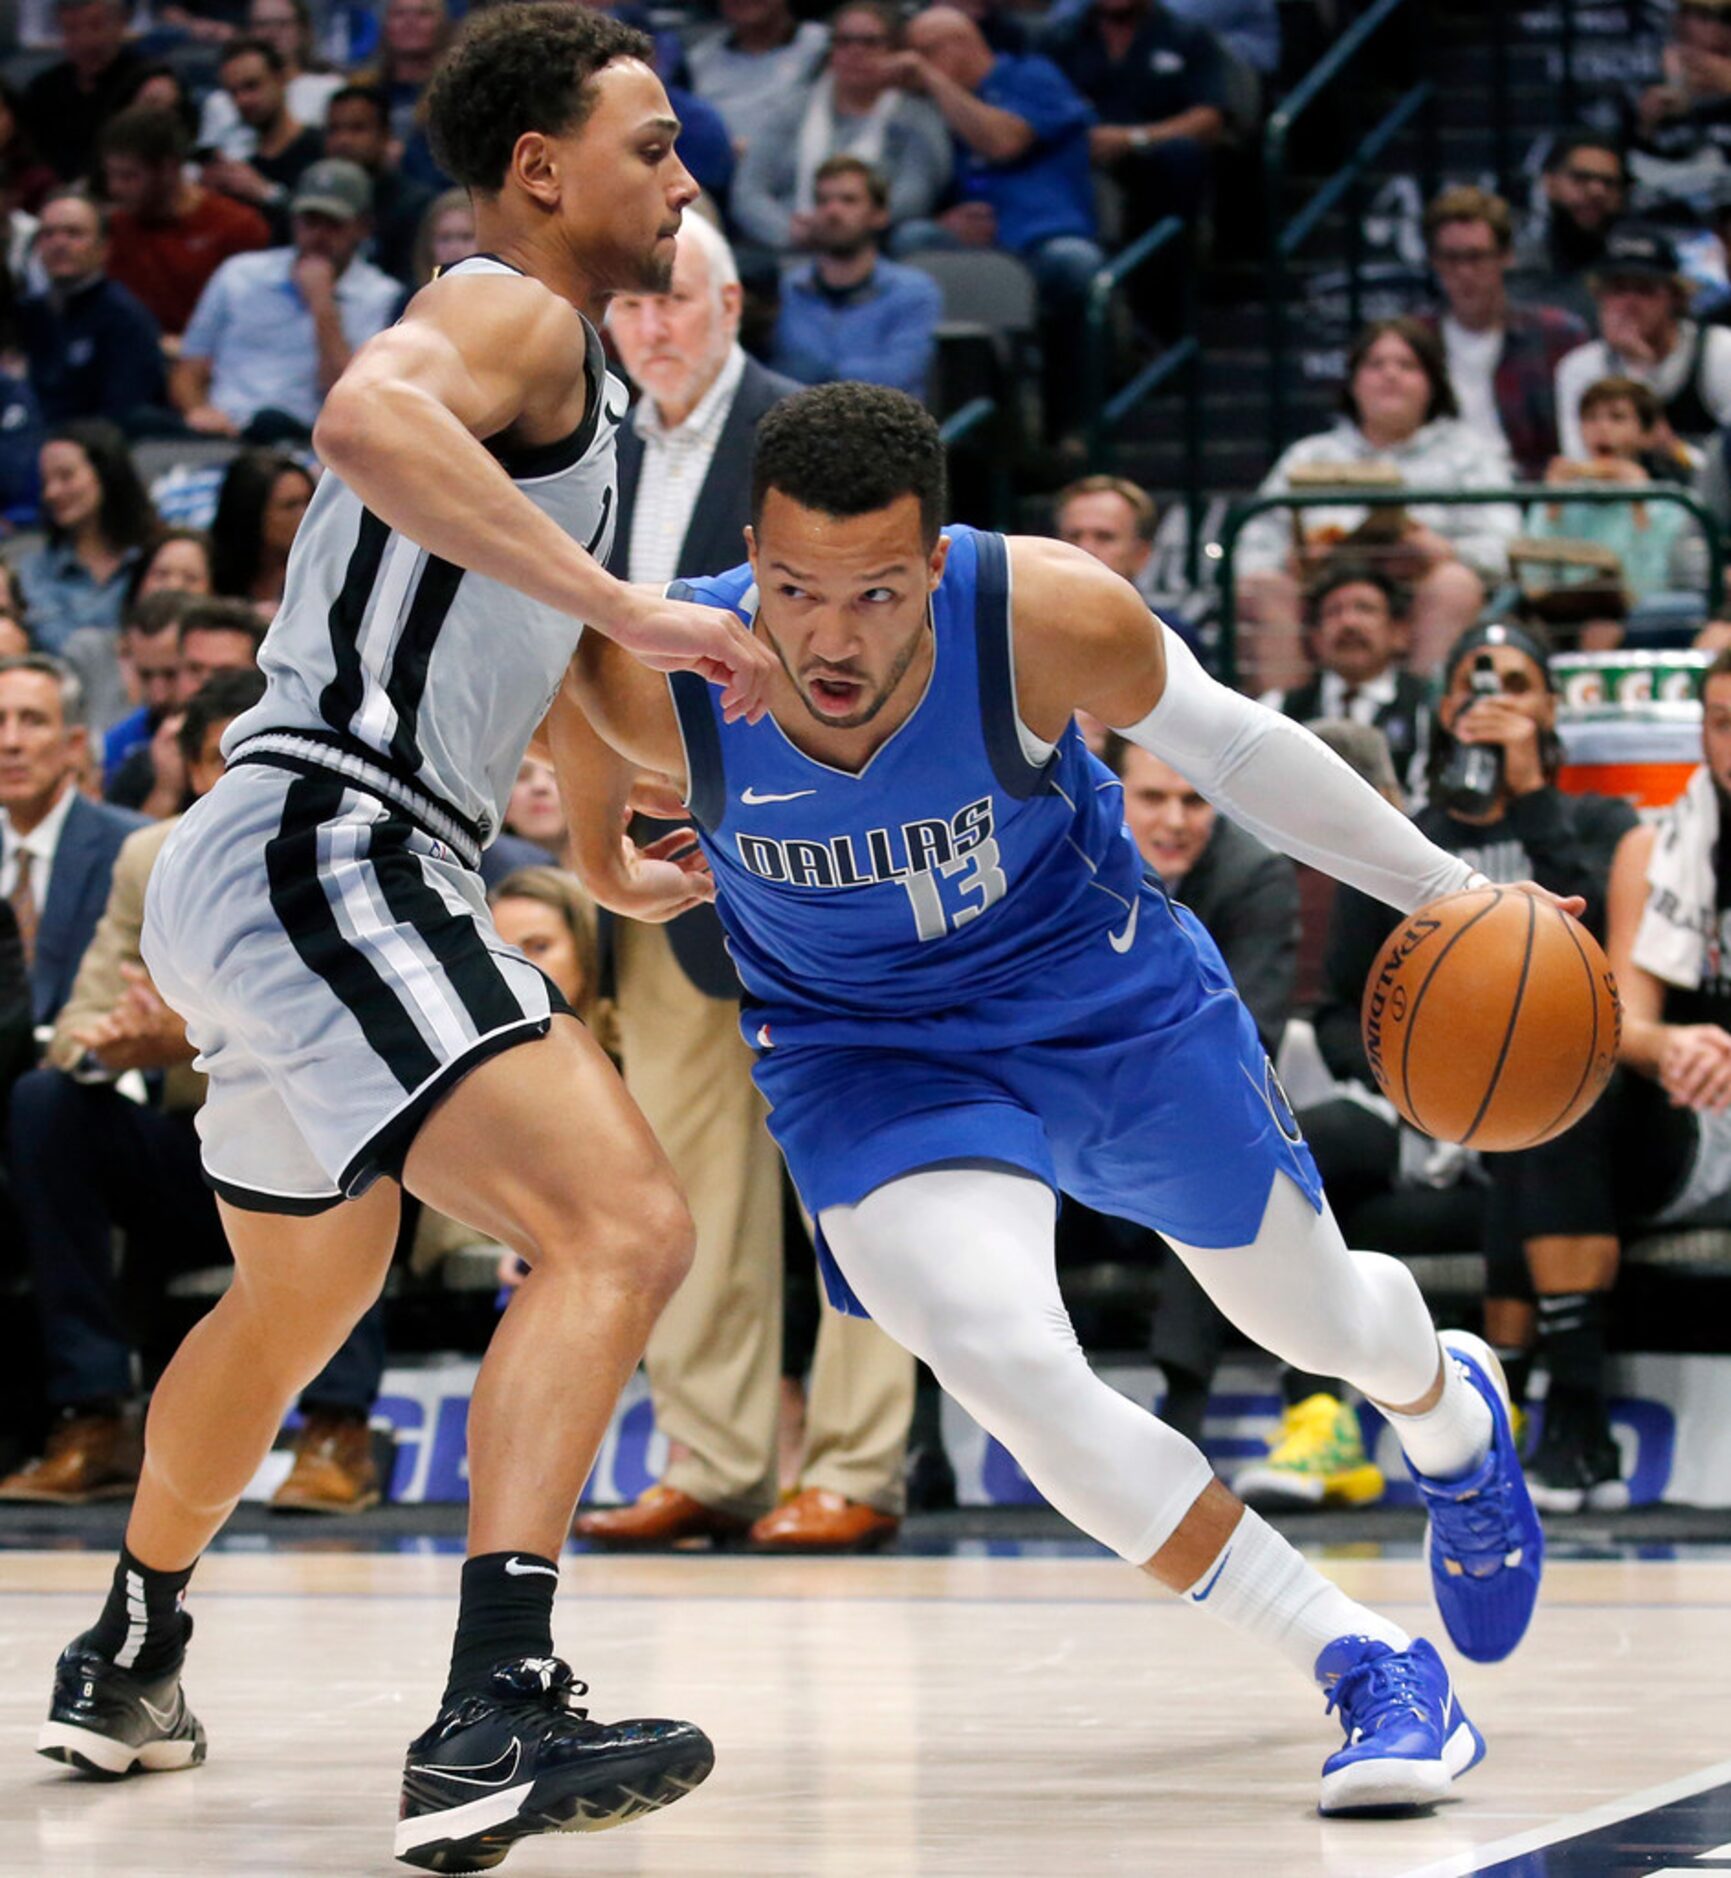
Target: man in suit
x=1357, y=619
x=714, y=1358
x=86, y=1159
x=59, y=846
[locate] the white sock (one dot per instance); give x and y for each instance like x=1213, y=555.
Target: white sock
x=1260, y=1585
x=1454, y=1437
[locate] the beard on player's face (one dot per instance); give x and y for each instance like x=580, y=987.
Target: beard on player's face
x=812, y=671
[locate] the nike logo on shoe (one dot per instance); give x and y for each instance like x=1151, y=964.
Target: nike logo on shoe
x=1122, y=941
x=497, y=1773
x=1201, y=1597
x=521, y=1568
x=753, y=800
x=164, y=1719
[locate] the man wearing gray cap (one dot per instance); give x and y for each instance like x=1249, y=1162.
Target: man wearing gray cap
x=273, y=331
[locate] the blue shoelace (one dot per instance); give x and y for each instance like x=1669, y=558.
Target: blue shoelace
x=1477, y=1530
x=1388, y=1687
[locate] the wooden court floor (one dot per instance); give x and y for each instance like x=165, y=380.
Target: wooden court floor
x=969, y=1717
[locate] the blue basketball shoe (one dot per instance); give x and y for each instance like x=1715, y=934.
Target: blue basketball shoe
x=1487, y=1548
x=1407, y=1736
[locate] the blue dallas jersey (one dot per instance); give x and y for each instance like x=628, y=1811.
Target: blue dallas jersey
x=953, y=885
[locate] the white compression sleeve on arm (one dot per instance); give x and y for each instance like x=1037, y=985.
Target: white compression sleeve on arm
x=1289, y=789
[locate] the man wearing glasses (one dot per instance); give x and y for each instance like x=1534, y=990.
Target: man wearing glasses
x=1502, y=356
x=1585, y=188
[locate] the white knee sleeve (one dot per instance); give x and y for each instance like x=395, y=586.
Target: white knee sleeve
x=957, y=1265
x=1304, y=1297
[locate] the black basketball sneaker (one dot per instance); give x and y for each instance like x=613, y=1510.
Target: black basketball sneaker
x=523, y=1758
x=106, y=1721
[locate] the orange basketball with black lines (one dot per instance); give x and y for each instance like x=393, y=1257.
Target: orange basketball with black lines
x=1491, y=1019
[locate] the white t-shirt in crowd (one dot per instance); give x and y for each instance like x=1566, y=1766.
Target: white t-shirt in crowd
x=1472, y=363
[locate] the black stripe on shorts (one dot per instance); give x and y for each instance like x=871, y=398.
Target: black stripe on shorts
x=299, y=901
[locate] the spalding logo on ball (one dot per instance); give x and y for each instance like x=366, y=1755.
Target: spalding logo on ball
x=1492, y=1019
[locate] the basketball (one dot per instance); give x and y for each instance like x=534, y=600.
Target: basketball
x=1491, y=1019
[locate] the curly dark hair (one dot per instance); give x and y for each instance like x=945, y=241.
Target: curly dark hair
x=848, y=449
x=219, y=700
x=519, y=68
x=237, y=529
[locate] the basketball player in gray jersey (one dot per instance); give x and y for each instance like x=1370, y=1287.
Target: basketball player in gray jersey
x=318, y=922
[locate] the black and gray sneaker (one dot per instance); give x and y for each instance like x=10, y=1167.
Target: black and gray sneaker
x=106, y=1721
x=1576, y=1466
x=523, y=1758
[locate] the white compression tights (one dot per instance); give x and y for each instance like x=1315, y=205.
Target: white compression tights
x=957, y=1265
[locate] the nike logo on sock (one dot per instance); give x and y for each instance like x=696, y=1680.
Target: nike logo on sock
x=521, y=1568
x=1201, y=1597
x=497, y=1773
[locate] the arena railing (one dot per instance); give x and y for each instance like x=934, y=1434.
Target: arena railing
x=1283, y=236
x=1105, y=412
x=981, y=419
x=1525, y=495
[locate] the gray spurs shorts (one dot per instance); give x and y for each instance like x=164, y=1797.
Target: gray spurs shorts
x=338, y=971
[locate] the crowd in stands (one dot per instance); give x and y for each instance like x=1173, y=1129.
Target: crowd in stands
x=212, y=205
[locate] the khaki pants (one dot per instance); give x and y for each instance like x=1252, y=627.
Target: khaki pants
x=714, y=1359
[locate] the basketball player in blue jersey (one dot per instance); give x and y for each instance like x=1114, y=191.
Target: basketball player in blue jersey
x=965, y=993
x=318, y=921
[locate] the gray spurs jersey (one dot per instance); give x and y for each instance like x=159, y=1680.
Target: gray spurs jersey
x=427, y=670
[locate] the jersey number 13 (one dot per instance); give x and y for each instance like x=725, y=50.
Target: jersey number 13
x=976, y=872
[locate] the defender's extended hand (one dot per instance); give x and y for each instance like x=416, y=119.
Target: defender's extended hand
x=663, y=878
x=675, y=636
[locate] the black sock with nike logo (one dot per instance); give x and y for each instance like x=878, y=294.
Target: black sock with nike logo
x=142, y=1627
x=505, y=1611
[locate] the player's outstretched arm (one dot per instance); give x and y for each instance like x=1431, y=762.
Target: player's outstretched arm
x=404, y=425
x=602, y=774
x=1086, y=640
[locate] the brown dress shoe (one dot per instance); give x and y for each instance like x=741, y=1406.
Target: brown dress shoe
x=89, y=1457
x=661, y=1517
x=333, y=1470
x=816, y=1520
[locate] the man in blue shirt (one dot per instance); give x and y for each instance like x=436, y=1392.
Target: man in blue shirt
x=1159, y=84
x=849, y=313
x=93, y=349
x=273, y=331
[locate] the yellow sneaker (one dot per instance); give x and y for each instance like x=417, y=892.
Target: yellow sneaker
x=1319, y=1459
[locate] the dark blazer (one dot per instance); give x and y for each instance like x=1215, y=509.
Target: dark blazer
x=1247, y=897
x=77, y=893
x=714, y=542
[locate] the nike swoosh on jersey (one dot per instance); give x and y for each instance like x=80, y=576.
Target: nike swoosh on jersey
x=517, y=1568
x=753, y=800
x=1122, y=941
x=497, y=1773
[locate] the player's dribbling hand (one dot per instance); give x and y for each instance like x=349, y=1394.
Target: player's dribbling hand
x=1570, y=903
x=675, y=636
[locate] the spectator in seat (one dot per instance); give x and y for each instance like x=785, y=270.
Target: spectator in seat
x=851, y=108
x=286, y=27
x=534, y=832
x=1022, y=179
x=1559, y=249
x=849, y=313
x=1502, y=355
x=1357, y=618
x=446, y=235
x=1246, y=897
x=1399, y=410
x=256, y=80
x=59, y=845
x=93, y=349
x=212, y=636
x=97, y=1161
x=264, y=495
x=66, y=106
x=167, y=235
x=1663, y=1124
x=1113, y=519
x=177, y=562
x=1248, y=29
x=272, y=332
x=1657, y=543
x=714, y=1359
x=358, y=129
x=99, y=524
x=1644, y=334
x=1687, y=115
x=143, y=675
x=1158, y=84
x=750, y=64
x=25, y=180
